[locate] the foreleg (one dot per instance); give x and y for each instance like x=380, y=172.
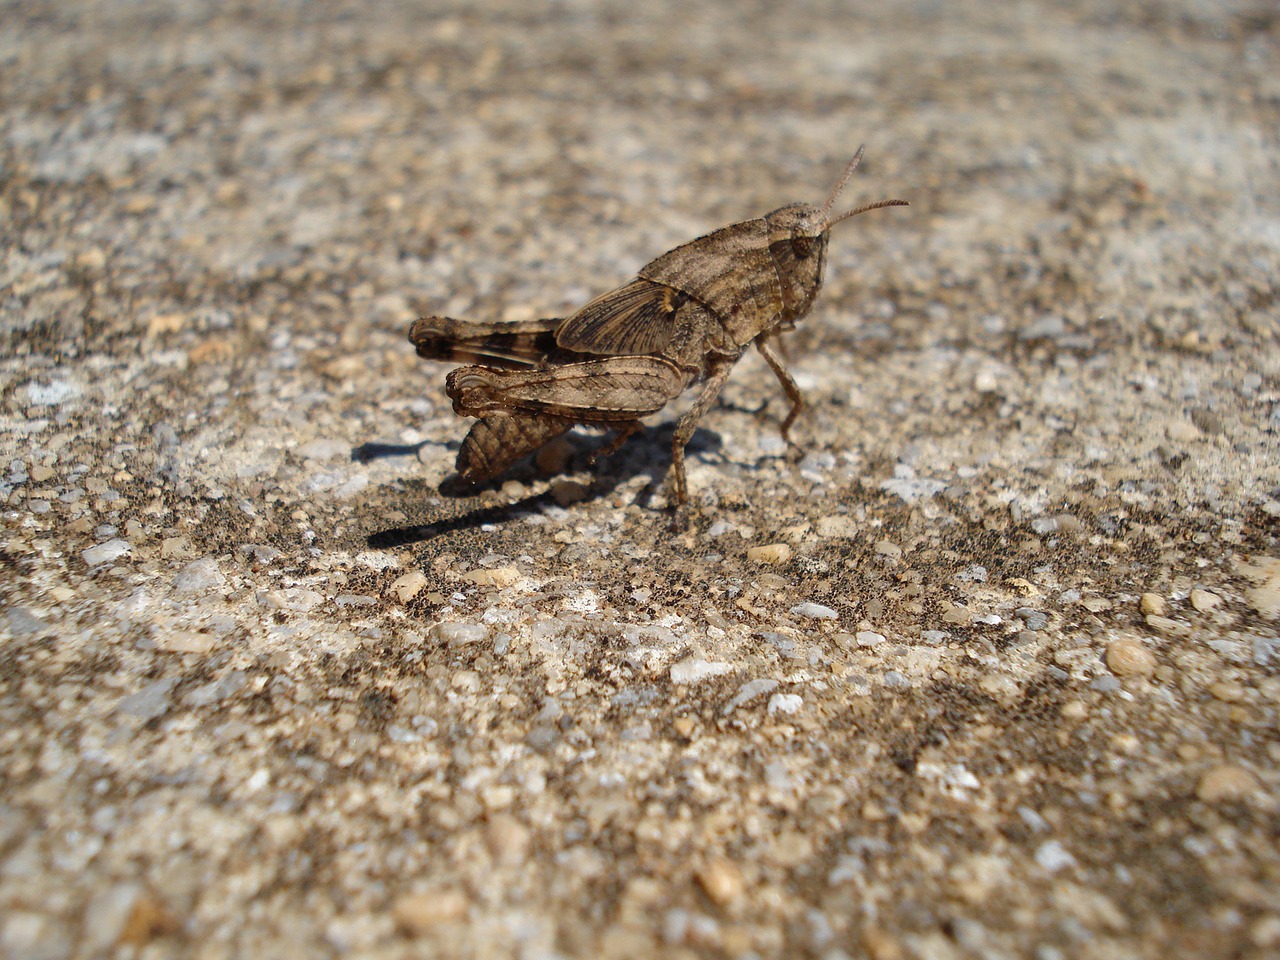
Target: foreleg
x=770, y=354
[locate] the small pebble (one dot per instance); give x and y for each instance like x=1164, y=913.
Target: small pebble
x=499, y=577
x=1073, y=710
x=1208, y=421
x=408, y=585
x=107, y=552
x=1168, y=627
x=887, y=548
x=838, y=526
x=1052, y=856
x=1129, y=658
x=150, y=702
x=496, y=796
x=1265, y=932
x=1068, y=523
x=507, y=839
x=467, y=681
x=1034, y=620
x=354, y=600
x=869, y=638
x=199, y=576
x=417, y=913
x=1228, y=691
x=1152, y=604
x=1044, y=525
x=461, y=634
x=1182, y=431
x=721, y=881
x=814, y=611
x=1000, y=687
x=770, y=553
x=1225, y=783
x=787, y=703
x=1204, y=601
x=695, y=670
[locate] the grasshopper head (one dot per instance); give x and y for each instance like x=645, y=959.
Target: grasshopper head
x=798, y=243
x=798, y=246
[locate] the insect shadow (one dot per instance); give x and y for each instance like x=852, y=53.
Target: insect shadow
x=601, y=485
x=367, y=452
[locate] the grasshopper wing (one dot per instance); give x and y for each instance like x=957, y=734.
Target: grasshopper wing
x=634, y=320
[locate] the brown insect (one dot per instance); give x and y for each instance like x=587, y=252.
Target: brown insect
x=686, y=318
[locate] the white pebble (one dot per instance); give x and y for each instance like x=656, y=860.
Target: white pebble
x=814, y=611
x=106, y=552
x=461, y=634
x=785, y=703
x=1053, y=856
x=198, y=576
x=53, y=393
x=695, y=670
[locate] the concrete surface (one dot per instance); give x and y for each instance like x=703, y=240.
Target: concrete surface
x=992, y=671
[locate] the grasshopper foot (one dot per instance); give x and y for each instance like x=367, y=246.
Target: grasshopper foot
x=625, y=432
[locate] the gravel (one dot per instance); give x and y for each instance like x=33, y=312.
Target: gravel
x=982, y=663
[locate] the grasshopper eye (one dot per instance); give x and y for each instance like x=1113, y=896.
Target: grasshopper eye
x=802, y=246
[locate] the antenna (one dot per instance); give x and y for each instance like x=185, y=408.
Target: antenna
x=844, y=180
x=870, y=206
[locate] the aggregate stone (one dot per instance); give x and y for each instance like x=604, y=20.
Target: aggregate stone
x=814, y=611
x=1226, y=782
x=149, y=702
x=23, y=623
x=1129, y=658
x=199, y=576
x=107, y=552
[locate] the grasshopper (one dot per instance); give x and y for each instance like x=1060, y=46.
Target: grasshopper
x=685, y=319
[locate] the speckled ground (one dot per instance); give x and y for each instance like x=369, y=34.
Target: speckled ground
x=993, y=671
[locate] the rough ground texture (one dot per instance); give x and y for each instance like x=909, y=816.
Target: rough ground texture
x=1004, y=680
